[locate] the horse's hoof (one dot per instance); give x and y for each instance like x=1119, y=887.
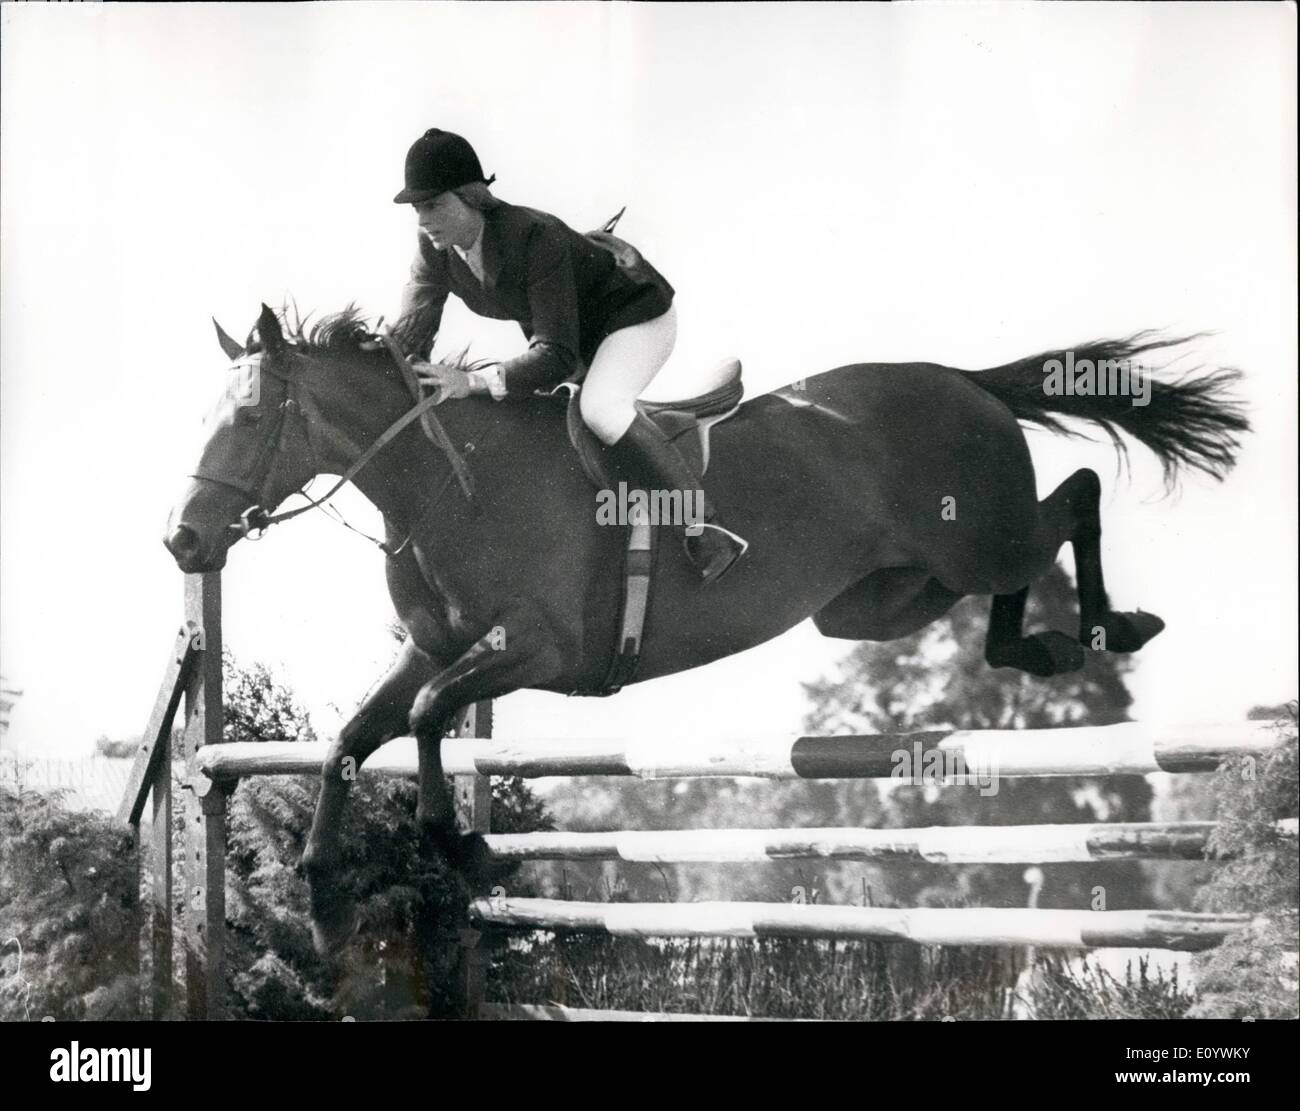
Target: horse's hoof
x=1040, y=654
x=333, y=927
x=1121, y=632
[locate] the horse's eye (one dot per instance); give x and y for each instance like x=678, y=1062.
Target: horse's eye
x=247, y=415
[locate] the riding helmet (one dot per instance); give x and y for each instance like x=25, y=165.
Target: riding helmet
x=436, y=162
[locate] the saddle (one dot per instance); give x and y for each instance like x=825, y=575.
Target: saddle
x=687, y=423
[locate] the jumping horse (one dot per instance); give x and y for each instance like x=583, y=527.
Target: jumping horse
x=874, y=496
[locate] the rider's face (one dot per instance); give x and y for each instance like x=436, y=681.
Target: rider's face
x=446, y=219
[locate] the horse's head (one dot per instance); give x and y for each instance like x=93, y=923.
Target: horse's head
x=301, y=406
x=257, y=452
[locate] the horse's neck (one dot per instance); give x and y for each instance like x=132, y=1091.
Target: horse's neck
x=411, y=480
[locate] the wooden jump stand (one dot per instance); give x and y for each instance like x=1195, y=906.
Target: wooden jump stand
x=192, y=680
x=192, y=676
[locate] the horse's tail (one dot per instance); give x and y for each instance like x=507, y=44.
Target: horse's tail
x=1194, y=421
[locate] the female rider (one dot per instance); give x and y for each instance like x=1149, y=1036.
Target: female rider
x=579, y=310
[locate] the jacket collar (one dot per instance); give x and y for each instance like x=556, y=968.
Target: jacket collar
x=489, y=247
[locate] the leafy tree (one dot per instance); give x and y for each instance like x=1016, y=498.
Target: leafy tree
x=1254, y=973
x=118, y=750
x=1197, y=798
x=68, y=915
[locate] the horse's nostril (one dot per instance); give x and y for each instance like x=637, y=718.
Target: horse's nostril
x=182, y=542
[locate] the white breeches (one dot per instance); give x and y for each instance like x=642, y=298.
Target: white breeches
x=624, y=364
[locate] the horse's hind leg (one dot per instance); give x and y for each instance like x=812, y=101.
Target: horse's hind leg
x=1071, y=512
x=1101, y=627
x=1043, y=654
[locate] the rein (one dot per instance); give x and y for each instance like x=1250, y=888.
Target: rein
x=432, y=425
x=256, y=519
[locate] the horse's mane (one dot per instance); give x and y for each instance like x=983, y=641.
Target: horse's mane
x=341, y=334
x=336, y=333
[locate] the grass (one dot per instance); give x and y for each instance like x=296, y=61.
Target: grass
x=797, y=978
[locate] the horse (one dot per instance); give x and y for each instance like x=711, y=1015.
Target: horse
x=875, y=496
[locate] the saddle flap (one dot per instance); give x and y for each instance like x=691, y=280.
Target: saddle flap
x=687, y=424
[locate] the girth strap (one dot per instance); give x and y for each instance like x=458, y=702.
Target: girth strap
x=638, y=565
x=636, y=603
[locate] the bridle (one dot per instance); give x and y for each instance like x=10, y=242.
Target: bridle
x=255, y=520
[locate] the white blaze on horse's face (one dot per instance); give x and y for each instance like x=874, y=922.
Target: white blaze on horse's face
x=243, y=431
x=237, y=427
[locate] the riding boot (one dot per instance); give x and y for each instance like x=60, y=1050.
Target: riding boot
x=652, y=458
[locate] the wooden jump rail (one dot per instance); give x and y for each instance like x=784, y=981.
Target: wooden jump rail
x=1057, y=929
x=550, y=1012
x=534, y=1012
x=1044, y=844
x=212, y=769
x=953, y=756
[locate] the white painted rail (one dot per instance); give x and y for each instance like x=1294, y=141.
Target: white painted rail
x=949, y=756
x=1037, y=844
x=1064, y=929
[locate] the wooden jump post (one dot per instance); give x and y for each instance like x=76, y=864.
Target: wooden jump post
x=192, y=674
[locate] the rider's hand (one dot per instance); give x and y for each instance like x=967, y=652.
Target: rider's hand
x=447, y=380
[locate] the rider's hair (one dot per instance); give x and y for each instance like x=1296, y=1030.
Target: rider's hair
x=477, y=196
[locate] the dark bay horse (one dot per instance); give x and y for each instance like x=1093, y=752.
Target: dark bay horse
x=874, y=495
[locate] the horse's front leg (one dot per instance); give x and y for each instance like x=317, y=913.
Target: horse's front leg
x=382, y=716
x=514, y=654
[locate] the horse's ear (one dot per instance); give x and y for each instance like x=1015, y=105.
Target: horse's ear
x=230, y=346
x=268, y=331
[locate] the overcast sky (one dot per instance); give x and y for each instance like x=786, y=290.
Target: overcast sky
x=822, y=184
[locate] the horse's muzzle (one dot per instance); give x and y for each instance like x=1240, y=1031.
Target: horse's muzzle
x=185, y=547
x=183, y=543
